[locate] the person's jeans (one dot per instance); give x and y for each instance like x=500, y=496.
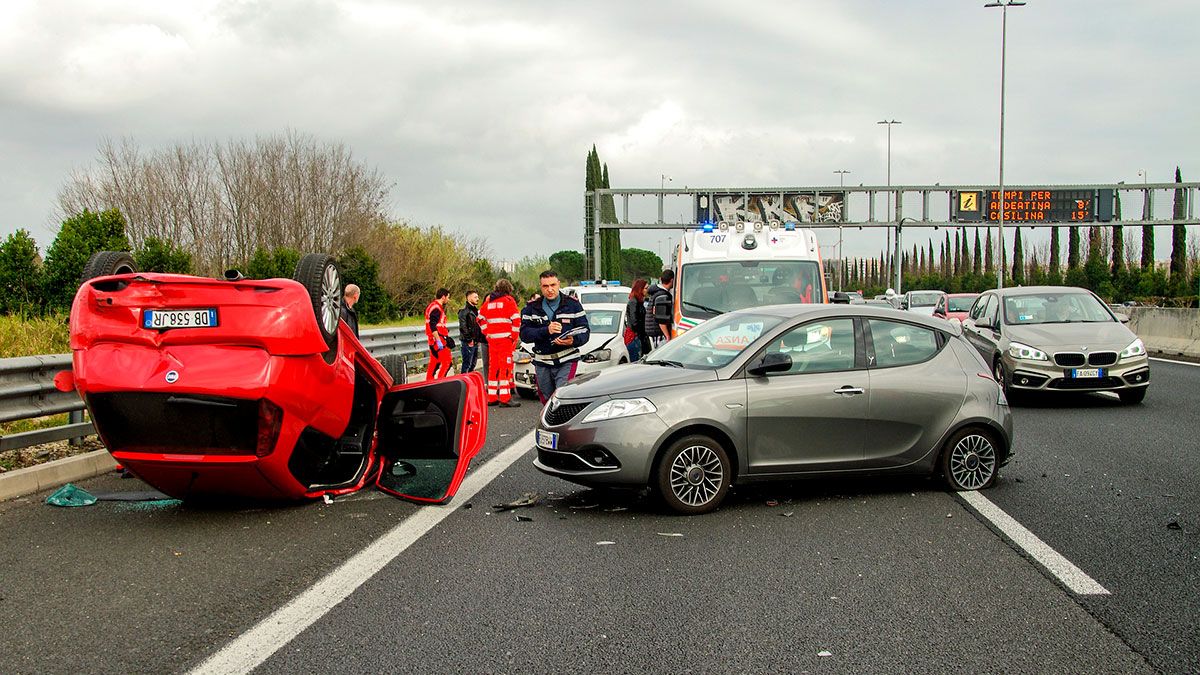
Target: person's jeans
x=550, y=378
x=469, y=354
x=635, y=349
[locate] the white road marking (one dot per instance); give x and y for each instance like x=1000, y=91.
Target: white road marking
x=256, y=645
x=1064, y=570
x=1182, y=363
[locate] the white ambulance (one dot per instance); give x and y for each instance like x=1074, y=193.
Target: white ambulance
x=720, y=267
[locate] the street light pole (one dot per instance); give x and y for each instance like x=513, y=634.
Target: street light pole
x=889, y=124
x=1003, y=53
x=662, y=183
x=841, y=182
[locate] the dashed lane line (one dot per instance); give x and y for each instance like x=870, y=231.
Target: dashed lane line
x=256, y=645
x=1064, y=570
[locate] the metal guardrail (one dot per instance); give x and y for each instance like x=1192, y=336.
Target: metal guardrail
x=27, y=386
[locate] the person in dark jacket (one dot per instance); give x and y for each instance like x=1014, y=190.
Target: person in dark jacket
x=468, y=331
x=349, y=299
x=660, y=309
x=635, y=321
x=556, y=326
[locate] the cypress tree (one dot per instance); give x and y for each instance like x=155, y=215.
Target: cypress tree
x=989, y=265
x=965, y=256
x=1072, y=248
x=1118, y=250
x=977, y=262
x=1018, y=259
x=932, y=270
x=921, y=264
x=914, y=270
x=611, y=262
x=958, y=259
x=589, y=214
x=1054, y=268
x=948, y=266
x=1179, y=284
x=1147, y=237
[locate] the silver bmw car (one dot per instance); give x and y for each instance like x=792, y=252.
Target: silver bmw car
x=783, y=392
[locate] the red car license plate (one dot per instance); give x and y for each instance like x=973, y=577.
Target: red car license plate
x=162, y=319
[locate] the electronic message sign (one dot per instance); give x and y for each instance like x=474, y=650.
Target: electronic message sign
x=1025, y=206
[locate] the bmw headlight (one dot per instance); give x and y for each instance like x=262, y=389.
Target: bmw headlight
x=1135, y=349
x=622, y=407
x=1022, y=351
x=597, y=356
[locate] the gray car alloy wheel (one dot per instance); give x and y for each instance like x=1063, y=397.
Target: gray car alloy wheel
x=331, y=298
x=696, y=475
x=972, y=462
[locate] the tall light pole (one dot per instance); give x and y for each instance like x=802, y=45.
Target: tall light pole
x=842, y=183
x=662, y=183
x=889, y=124
x=1003, y=53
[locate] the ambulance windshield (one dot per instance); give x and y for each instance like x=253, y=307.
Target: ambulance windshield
x=711, y=288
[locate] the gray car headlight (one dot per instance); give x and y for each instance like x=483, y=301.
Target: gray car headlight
x=1023, y=351
x=1135, y=349
x=622, y=407
x=597, y=356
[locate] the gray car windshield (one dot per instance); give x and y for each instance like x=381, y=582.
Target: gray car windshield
x=714, y=343
x=1042, y=308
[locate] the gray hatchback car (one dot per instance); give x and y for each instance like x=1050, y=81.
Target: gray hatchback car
x=783, y=392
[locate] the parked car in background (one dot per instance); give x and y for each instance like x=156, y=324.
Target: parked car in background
x=783, y=392
x=603, y=350
x=955, y=306
x=855, y=297
x=921, y=302
x=593, y=292
x=1057, y=338
x=215, y=388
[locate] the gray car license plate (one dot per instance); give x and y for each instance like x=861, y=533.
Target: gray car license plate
x=547, y=439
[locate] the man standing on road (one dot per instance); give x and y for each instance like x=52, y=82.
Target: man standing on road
x=440, y=343
x=349, y=299
x=501, y=324
x=468, y=332
x=660, y=310
x=557, y=326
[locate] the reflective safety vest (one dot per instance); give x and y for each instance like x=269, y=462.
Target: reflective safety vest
x=442, y=331
x=499, y=318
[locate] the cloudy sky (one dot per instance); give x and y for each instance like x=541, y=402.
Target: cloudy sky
x=481, y=113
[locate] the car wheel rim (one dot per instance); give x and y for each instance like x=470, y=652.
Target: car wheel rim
x=973, y=461
x=331, y=309
x=696, y=475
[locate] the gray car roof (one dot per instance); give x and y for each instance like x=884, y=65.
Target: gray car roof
x=817, y=311
x=1035, y=290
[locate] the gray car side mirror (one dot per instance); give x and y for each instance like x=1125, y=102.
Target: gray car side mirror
x=774, y=362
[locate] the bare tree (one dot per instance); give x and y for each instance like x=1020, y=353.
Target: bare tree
x=222, y=201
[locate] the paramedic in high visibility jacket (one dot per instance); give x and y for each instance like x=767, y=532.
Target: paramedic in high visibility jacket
x=441, y=347
x=500, y=321
x=557, y=326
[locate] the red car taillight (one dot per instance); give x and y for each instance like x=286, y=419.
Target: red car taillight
x=270, y=419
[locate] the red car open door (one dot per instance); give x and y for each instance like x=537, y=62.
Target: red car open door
x=428, y=432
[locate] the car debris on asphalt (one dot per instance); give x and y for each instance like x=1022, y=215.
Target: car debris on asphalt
x=527, y=500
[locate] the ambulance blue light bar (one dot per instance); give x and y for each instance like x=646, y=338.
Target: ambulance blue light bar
x=789, y=226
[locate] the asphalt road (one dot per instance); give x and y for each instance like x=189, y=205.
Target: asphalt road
x=881, y=576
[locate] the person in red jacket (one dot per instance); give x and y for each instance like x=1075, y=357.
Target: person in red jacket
x=500, y=321
x=441, y=346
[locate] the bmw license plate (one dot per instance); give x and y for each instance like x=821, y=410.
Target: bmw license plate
x=547, y=439
x=162, y=319
x=1087, y=372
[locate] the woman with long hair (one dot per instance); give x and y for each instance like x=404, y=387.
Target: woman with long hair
x=635, y=322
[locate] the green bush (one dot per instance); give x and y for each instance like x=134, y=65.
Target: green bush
x=374, y=303
x=156, y=255
x=79, y=238
x=20, y=275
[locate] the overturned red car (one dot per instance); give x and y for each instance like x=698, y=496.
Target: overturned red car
x=214, y=388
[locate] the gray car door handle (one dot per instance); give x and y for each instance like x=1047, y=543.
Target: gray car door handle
x=849, y=391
